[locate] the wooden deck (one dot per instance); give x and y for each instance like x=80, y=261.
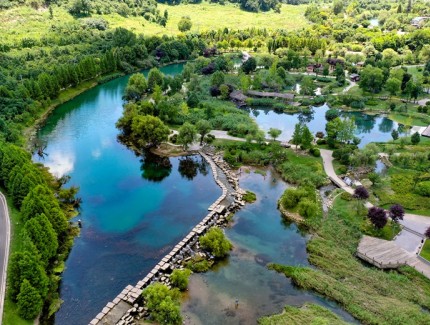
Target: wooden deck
x=387, y=255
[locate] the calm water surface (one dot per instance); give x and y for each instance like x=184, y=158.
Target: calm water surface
x=370, y=128
x=133, y=210
x=260, y=236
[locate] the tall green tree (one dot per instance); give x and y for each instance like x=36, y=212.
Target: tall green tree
x=203, y=127
x=29, y=301
x=215, y=242
x=148, y=131
x=40, y=230
x=297, y=135
x=155, y=78
x=372, y=79
x=393, y=86
x=187, y=134
x=307, y=138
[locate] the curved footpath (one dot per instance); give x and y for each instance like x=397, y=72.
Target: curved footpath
x=403, y=249
x=4, y=249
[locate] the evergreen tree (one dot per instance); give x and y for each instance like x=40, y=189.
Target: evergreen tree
x=29, y=301
x=297, y=135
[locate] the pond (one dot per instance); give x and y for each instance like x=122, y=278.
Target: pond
x=370, y=128
x=260, y=236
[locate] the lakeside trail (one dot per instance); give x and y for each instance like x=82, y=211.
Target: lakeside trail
x=407, y=243
x=4, y=249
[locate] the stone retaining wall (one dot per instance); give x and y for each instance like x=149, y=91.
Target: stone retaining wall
x=129, y=305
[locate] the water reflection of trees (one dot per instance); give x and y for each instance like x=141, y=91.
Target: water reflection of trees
x=155, y=168
x=364, y=123
x=306, y=115
x=386, y=125
x=190, y=166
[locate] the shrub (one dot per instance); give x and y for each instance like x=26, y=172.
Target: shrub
x=342, y=169
x=321, y=141
x=361, y=193
x=423, y=188
x=315, y=152
x=198, y=264
x=346, y=196
x=307, y=208
x=249, y=197
x=378, y=217
x=215, y=242
x=179, y=278
x=163, y=303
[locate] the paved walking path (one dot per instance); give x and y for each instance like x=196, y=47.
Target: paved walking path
x=4, y=249
x=408, y=241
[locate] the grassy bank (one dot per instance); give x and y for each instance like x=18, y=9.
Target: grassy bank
x=371, y=295
x=307, y=314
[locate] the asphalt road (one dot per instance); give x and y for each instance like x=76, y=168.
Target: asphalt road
x=4, y=249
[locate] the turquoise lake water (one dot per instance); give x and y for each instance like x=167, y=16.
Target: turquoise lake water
x=135, y=209
x=131, y=215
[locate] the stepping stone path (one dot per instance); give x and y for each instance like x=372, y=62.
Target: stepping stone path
x=129, y=305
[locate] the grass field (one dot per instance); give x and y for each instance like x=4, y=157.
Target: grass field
x=425, y=252
x=23, y=22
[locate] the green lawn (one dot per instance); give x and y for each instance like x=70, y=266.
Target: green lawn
x=25, y=22
x=425, y=252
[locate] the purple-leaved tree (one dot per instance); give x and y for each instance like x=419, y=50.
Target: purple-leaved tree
x=361, y=193
x=396, y=212
x=378, y=217
x=427, y=233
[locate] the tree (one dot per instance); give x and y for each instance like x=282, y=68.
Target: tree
x=331, y=114
x=179, y=278
x=155, y=78
x=337, y=7
x=136, y=87
x=393, y=85
x=249, y=65
x=307, y=138
x=395, y=134
x=24, y=265
x=297, y=135
x=378, y=217
x=274, y=133
x=187, y=134
x=415, y=138
x=396, y=212
x=148, y=131
x=215, y=242
x=185, y=24
x=361, y=194
x=29, y=301
x=43, y=236
x=203, y=127
x=307, y=86
x=163, y=303
x=371, y=79
x=217, y=78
